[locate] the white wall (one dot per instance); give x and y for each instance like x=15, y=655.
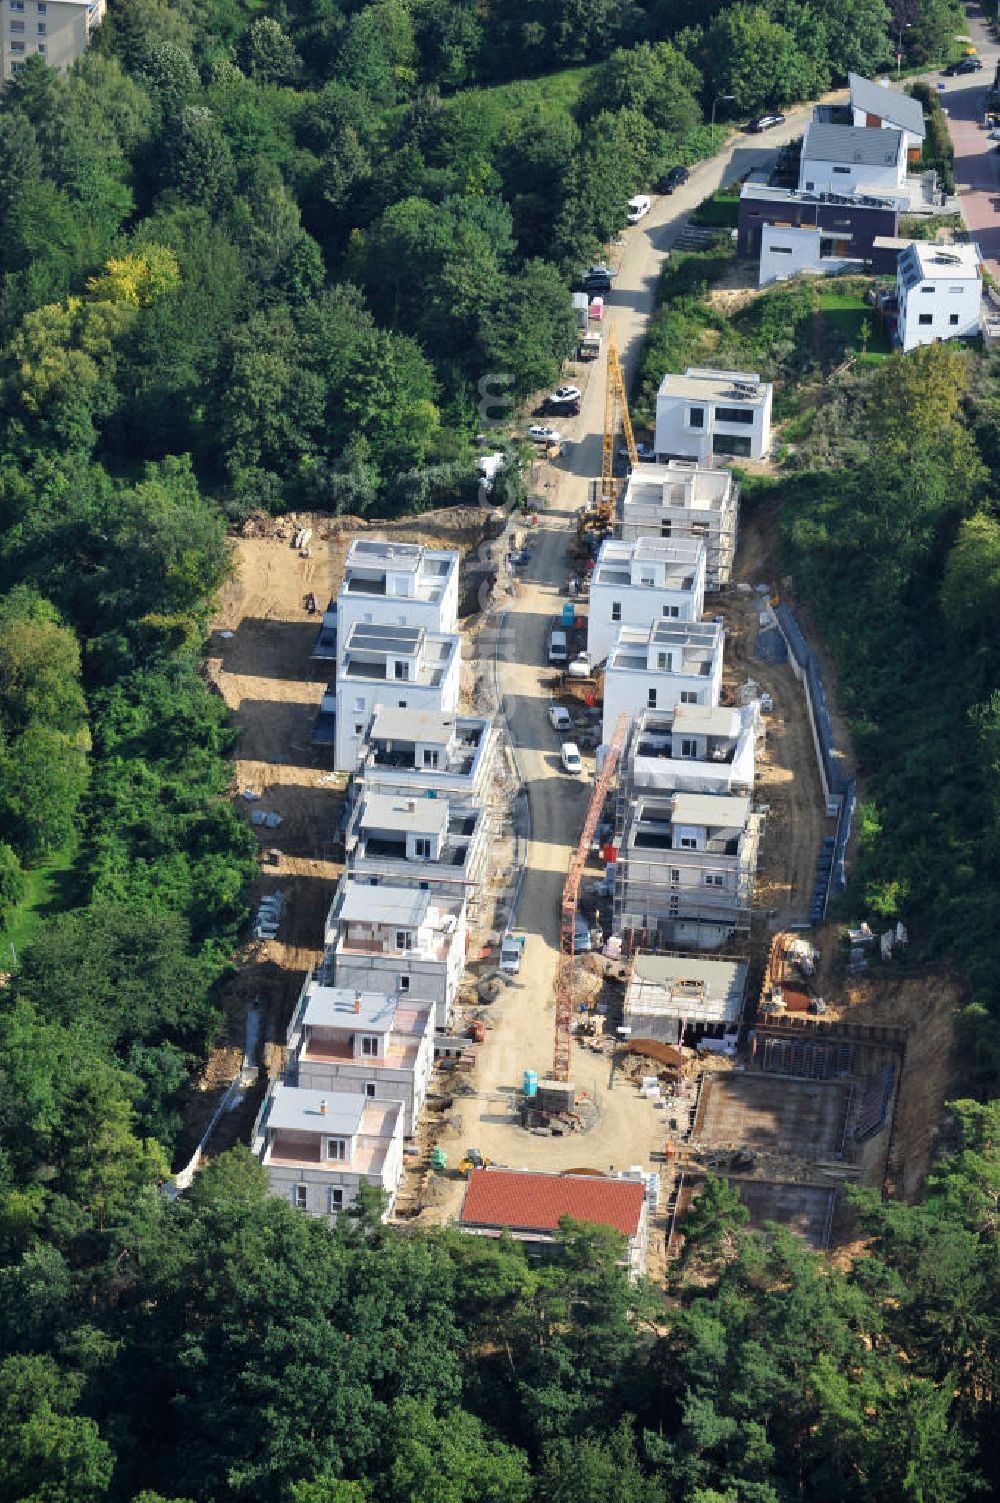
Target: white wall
x=675, y=435
x=851, y=177
x=627, y=691
x=357, y=698
x=640, y=606
x=861, y=119
x=396, y=610
x=959, y=300
x=787, y=250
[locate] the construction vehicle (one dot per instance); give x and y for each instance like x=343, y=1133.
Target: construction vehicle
x=473, y=1160
x=570, y=900
x=601, y=516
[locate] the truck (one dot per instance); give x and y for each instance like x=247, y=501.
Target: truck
x=581, y=308
x=589, y=347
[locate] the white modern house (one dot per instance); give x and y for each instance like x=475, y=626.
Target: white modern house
x=685, y=871
x=661, y=666
x=408, y=940
x=879, y=106
x=685, y=500
x=378, y=1045
x=686, y=999
x=398, y=584
x=320, y=1147
x=635, y=583
x=418, y=837
x=401, y=667
x=705, y=413
x=849, y=160
x=939, y=293
x=694, y=749
x=430, y=752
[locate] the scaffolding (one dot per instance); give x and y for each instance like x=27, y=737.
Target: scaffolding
x=684, y=500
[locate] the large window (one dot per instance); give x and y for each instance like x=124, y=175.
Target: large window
x=404, y=939
x=926, y=318
x=369, y=1045
x=696, y=417
x=737, y=444
x=300, y=1197
x=334, y=1200
x=733, y=415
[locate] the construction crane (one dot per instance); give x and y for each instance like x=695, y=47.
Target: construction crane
x=571, y=893
x=615, y=410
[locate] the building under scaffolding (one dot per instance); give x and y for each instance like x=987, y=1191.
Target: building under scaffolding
x=684, y=500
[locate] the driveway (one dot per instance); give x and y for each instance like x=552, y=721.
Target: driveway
x=977, y=164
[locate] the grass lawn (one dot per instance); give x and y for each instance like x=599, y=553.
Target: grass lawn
x=552, y=95
x=721, y=211
x=844, y=314
x=50, y=889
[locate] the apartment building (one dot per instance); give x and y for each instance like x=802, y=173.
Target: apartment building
x=409, y=940
x=397, y=584
x=658, y=667
x=685, y=871
x=58, y=31
x=939, y=293
x=706, y=413
x=634, y=583
x=694, y=749
x=430, y=752
x=685, y=500
x=320, y=1147
x=418, y=838
x=379, y=1045
x=687, y=999
x=402, y=667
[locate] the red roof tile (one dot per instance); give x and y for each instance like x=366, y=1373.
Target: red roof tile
x=525, y=1201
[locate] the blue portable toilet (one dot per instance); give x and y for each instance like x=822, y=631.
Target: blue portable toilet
x=568, y=613
x=531, y=1083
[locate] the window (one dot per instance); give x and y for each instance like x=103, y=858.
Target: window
x=733, y=415
x=696, y=417
x=675, y=874
x=689, y=696
x=926, y=318
x=430, y=758
x=688, y=843
x=732, y=443
x=17, y=26
x=369, y=1045
x=359, y=728
x=299, y=1197
x=335, y=1150
x=651, y=699
x=422, y=848
x=334, y=1201
x=689, y=748
x=646, y=581
x=665, y=662
x=42, y=7
x=810, y=187
x=671, y=611
x=954, y=290
x=953, y=318
x=713, y=879
x=781, y=250
x=41, y=48
x=843, y=171
x=665, y=529
x=359, y=706
x=41, y=28
x=927, y=287
x=403, y=983
x=401, y=669
x=616, y=610
x=401, y=704
x=370, y=1089
x=17, y=46
x=17, y=7
x=404, y=939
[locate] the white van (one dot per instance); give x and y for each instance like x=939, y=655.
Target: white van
x=557, y=645
x=638, y=208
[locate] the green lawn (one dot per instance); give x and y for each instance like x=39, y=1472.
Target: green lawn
x=844, y=314
x=50, y=889
x=721, y=211
x=552, y=95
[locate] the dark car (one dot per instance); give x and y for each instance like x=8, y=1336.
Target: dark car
x=567, y=407
x=674, y=179
x=594, y=283
x=765, y=122
x=967, y=65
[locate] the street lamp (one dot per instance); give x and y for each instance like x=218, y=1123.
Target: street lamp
x=899, y=43
x=718, y=98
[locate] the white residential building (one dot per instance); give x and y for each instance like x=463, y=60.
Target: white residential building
x=402, y=667
x=685, y=871
x=320, y=1147
x=939, y=293
x=659, y=667
x=397, y=584
x=705, y=413
x=878, y=105
x=685, y=500
x=694, y=749
x=426, y=751
x=848, y=160
x=56, y=30
x=634, y=583
x=686, y=998
x=378, y=1045
x=408, y=940
x=418, y=838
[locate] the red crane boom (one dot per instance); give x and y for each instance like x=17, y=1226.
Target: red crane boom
x=570, y=897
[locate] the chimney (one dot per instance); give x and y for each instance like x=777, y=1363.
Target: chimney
x=322, y=1107
x=357, y=1002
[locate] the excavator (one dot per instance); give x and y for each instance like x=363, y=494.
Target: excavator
x=601, y=516
x=473, y=1160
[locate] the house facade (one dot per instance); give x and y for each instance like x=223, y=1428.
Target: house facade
x=852, y=161
x=706, y=413
x=685, y=500
x=939, y=293
x=58, y=31
x=659, y=667
x=400, y=667
x=634, y=583
x=880, y=107
x=417, y=838
x=430, y=752
x=686, y=999
x=694, y=749
x=398, y=584
x=790, y=231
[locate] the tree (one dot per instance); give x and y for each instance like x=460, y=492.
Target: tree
x=43, y=776
x=267, y=54
x=448, y=1458
x=857, y=32
x=12, y=882
x=197, y=161
x=51, y=1454
x=530, y=329
x=39, y=666
x=757, y=60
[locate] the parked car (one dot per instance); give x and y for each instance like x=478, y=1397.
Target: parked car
x=644, y=453
x=558, y=649
x=765, y=122
x=569, y=756
x=560, y=718
x=966, y=65
x=601, y=271
x=675, y=178
x=539, y=433
x=566, y=394
x=638, y=208
x=581, y=935
x=511, y=950
x=551, y=408
x=581, y=667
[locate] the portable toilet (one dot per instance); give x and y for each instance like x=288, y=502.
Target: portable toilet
x=597, y=309
x=568, y=613
x=530, y=1083
x=439, y=1159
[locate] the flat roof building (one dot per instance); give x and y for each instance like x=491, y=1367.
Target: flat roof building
x=694, y=749
x=939, y=293
x=417, y=837
x=685, y=500
x=662, y=666
x=705, y=413
x=59, y=32
x=636, y=582
x=688, y=999
x=446, y=753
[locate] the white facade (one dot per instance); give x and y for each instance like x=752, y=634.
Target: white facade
x=685, y=500
x=398, y=939
x=706, y=413
x=636, y=583
x=371, y=1044
x=56, y=30
x=319, y=1147
x=846, y=160
x=878, y=104
x=417, y=837
x=695, y=749
x=420, y=751
x=397, y=584
x=939, y=292
x=685, y=998
x=788, y=250
x=669, y=664
x=401, y=667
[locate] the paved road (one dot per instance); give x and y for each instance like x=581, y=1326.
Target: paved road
x=977, y=163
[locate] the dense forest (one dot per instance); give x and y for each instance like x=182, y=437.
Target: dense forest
x=261, y=259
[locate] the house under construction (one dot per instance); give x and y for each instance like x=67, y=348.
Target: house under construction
x=683, y=499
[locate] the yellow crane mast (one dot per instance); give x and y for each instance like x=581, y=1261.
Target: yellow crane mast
x=615, y=411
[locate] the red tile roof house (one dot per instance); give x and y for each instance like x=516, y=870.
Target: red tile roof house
x=530, y=1205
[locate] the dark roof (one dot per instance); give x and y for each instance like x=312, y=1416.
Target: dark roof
x=858, y=145
x=526, y=1201
x=888, y=104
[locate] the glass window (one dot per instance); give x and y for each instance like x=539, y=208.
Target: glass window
x=404, y=983
x=42, y=7
x=17, y=26
x=404, y=939
x=334, y=1200
x=17, y=7
x=696, y=417
x=953, y=318
x=689, y=748
x=689, y=697
x=430, y=758
x=422, y=848
x=369, y=1088
x=733, y=415
x=369, y=1044
x=926, y=318
x=732, y=443
x=651, y=699
x=336, y=1150
x=713, y=879
x=671, y=611
x=781, y=250
x=616, y=610
x=299, y=1197
x=17, y=46
x=41, y=28
x=688, y=843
